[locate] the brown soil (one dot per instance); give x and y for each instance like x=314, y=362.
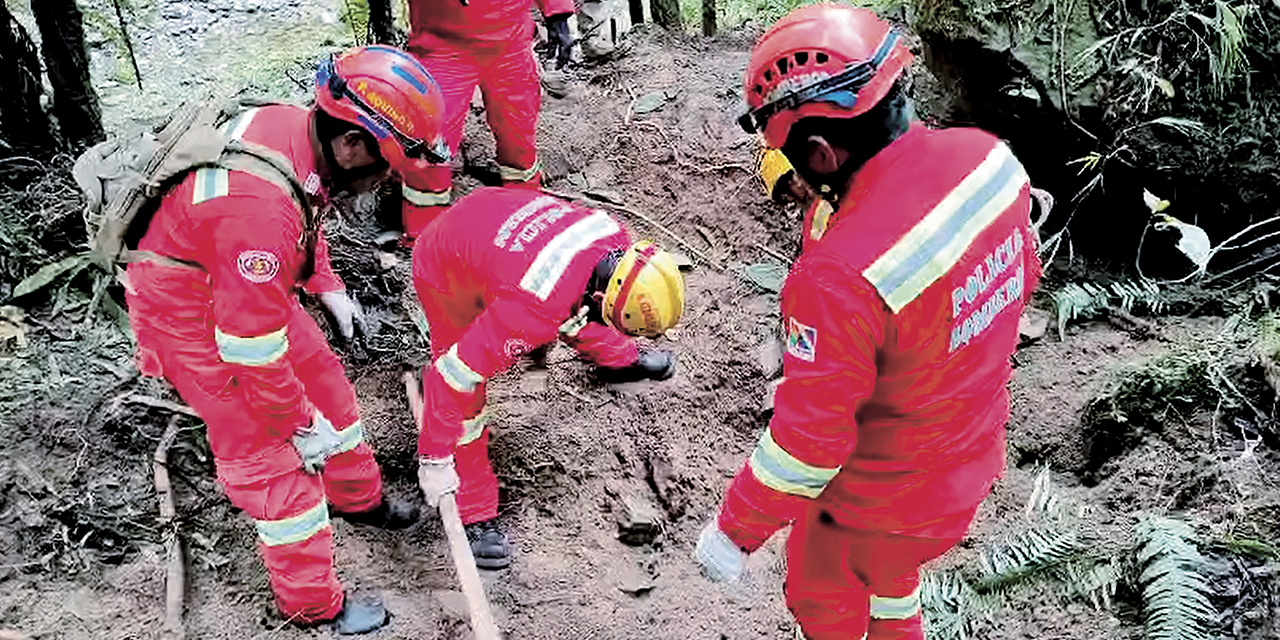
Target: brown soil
x=79, y=553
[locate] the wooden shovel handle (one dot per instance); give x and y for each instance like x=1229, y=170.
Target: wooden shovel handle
x=482, y=622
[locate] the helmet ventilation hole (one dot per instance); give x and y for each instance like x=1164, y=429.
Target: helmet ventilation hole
x=802, y=58
x=782, y=65
x=820, y=57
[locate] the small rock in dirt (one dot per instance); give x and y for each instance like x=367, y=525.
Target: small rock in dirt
x=638, y=586
x=650, y=102
x=1032, y=325
x=11, y=634
x=555, y=83
x=639, y=522
x=769, y=356
x=454, y=603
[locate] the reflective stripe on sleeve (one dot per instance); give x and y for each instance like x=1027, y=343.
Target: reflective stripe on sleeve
x=903, y=608
x=351, y=437
x=473, y=428
x=512, y=174
x=456, y=373
x=427, y=198
x=303, y=526
x=550, y=265
x=257, y=351
x=937, y=242
x=781, y=471
x=211, y=182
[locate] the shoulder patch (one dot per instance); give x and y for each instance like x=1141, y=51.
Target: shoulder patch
x=802, y=340
x=258, y=266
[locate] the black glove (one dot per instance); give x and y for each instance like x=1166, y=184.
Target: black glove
x=559, y=42
x=651, y=365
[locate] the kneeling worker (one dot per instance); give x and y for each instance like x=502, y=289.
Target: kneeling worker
x=499, y=274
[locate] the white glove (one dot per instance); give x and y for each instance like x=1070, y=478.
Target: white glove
x=721, y=560
x=437, y=478
x=345, y=311
x=316, y=442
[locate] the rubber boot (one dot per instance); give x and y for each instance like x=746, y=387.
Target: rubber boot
x=361, y=615
x=391, y=515
x=489, y=545
x=651, y=365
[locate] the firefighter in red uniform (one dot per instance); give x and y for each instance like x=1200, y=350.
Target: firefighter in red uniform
x=217, y=313
x=900, y=317
x=486, y=44
x=505, y=271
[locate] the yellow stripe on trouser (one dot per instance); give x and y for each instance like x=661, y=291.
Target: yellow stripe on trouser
x=780, y=470
x=456, y=373
x=940, y=239
x=903, y=608
x=512, y=174
x=800, y=635
x=255, y=351
x=426, y=198
x=303, y=526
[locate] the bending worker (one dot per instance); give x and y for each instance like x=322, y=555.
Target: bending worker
x=487, y=45
x=505, y=271
x=900, y=315
x=216, y=311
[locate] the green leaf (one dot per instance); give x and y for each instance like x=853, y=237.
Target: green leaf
x=48, y=274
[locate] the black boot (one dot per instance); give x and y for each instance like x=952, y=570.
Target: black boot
x=361, y=615
x=392, y=515
x=489, y=545
x=651, y=365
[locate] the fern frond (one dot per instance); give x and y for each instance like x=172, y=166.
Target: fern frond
x=1174, y=592
x=1091, y=580
x=1022, y=556
x=1086, y=300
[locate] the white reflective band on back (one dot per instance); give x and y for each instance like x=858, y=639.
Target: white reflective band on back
x=512, y=174
x=931, y=248
x=303, y=526
x=426, y=198
x=545, y=272
x=903, y=608
x=236, y=127
x=211, y=182
x=456, y=373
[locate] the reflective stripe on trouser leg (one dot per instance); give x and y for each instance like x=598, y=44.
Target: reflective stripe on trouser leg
x=896, y=608
x=800, y=634
x=895, y=616
x=478, y=492
x=295, y=539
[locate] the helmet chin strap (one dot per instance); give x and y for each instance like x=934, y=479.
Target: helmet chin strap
x=593, y=297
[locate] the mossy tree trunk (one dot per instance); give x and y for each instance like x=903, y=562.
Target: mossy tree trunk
x=666, y=13
x=75, y=104
x=24, y=127
x=382, y=26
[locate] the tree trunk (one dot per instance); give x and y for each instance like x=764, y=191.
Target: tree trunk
x=382, y=27
x=665, y=13
x=708, y=17
x=24, y=127
x=75, y=104
x=637, y=11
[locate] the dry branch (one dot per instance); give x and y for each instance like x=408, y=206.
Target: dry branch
x=175, y=570
x=646, y=218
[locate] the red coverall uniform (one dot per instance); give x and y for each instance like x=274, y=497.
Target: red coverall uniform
x=485, y=43
x=502, y=272
x=888, y=428
x=234, y=340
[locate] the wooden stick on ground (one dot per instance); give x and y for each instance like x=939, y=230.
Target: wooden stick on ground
x=482, y=622
x=175, y=574
x=638, y=214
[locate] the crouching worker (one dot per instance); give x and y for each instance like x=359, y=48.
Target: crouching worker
x=499, y=274
x=214, y=304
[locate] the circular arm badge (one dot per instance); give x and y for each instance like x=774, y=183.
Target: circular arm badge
x=258, y=266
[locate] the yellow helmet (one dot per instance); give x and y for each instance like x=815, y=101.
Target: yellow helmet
x=773, y=168
x=645, y=295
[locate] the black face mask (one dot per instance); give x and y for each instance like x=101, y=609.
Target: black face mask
x=340, y=179
x=598, y=284
x=861, y=137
